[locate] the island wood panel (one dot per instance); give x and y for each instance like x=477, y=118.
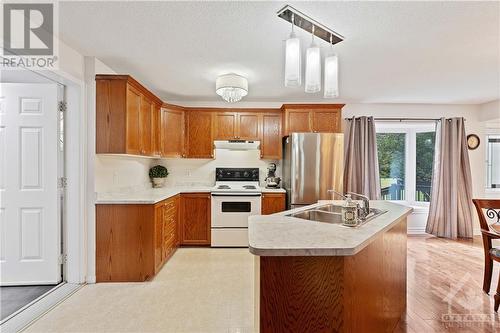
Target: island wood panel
x=225, y=125
x=273, y=203
x=124, y=242
x=361, y=293
x=195, y=217
x=111, y=120
x=249, y=124
x=199, y=134
x=132, y=134
x=172, y=131
x=271, y=145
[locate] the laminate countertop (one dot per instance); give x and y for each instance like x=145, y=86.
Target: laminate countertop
x=155, y=195
x=281, y=235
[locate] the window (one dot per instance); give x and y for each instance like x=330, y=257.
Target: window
x=493, y=161
x=406, y=158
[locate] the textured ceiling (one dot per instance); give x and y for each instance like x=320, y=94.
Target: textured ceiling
x=394, y=52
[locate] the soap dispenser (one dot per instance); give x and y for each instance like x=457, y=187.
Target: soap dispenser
x=349, y=212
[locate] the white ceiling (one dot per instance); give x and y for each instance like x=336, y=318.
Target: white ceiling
x=394, y=52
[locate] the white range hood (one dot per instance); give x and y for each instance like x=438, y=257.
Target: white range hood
x=237, y=144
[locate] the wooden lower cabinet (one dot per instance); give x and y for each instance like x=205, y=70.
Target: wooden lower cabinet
x=195, y=217
x=133, y=241
x=272, y=203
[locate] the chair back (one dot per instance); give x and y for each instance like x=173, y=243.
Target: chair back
x=492, y=212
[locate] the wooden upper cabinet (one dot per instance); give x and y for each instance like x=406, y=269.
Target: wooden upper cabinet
x=312, y=118
x=126, y=115
x=270, y=144
x=132, y=131
x=195, y=217
x=156, y=126
x=225, y=125
x=237, y=125
x=199, y=136
x=248, y=126
x=145, y=126
x=326, y=121
x=172, y=131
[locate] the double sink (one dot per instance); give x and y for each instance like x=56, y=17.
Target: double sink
x=333, y=214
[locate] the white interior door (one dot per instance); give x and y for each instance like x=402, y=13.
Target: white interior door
x=30, y=225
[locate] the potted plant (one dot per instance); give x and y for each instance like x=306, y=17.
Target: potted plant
x=158, y=174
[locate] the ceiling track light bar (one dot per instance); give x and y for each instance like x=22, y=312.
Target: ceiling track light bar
x=301, y=20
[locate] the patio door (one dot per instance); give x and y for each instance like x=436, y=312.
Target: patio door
x=31, y=197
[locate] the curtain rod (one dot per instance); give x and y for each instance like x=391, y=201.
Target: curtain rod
x=404, y=119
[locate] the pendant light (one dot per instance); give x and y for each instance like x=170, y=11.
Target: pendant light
x=292, y=59
x=313, y=67
x=331, y=85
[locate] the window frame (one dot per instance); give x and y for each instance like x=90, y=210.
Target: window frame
x=489, y=133
x=411, y=130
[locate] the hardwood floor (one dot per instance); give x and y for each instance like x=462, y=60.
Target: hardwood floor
x=445, y=287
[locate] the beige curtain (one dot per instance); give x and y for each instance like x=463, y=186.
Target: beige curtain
x=361, y=174
x=450, y=212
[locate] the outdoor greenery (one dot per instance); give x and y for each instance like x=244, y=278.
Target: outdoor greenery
x=425, y=157
x=158, y=171
x=391, y=158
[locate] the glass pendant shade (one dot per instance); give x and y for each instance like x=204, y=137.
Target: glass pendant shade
x=313, y=69
x=292, y=62
x=331, y=86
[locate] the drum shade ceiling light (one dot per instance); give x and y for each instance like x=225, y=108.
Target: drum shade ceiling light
x=231, y=87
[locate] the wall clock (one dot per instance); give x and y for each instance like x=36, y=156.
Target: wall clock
x=473, y=141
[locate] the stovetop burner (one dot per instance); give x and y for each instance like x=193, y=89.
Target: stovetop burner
x=223, y=187
x=249, y=187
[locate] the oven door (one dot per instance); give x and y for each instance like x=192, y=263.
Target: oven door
x=232, y=210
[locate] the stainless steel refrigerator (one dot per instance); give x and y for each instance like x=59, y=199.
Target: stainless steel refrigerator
x=313, y=163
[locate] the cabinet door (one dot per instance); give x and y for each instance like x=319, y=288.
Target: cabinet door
x=145, y=129
x=248, y=126
x=273, y=203
x=225, y=126
x=195, y=216
x=270, y=145
x=172, y=132
x=298, y=121
x=156, y=126
x=199, y=135
x=326, y=121
x=158, y=236
x=132, y=130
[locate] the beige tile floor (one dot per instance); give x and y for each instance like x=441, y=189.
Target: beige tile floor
x=198, y=290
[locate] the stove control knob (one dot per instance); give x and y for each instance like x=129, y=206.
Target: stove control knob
x=246, y=174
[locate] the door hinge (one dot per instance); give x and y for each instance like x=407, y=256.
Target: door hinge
x=62, y=106
x=63, y=258
x=63, y=182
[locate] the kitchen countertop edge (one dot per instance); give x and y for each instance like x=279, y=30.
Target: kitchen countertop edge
x=349, y=245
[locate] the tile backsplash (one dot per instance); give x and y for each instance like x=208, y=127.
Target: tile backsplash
x=129, y=173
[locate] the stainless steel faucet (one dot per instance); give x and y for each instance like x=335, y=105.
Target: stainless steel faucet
x=337, y=193
x=366, y=204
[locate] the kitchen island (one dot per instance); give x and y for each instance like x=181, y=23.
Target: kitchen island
x=324, y=277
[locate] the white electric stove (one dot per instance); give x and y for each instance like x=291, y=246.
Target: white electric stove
x=235, y=196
